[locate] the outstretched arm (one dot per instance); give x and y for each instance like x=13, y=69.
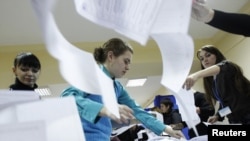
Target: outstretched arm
x=231, y=22
x=191, y=79
x=235, y=23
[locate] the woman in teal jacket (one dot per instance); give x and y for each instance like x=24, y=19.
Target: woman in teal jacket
x=114, y=58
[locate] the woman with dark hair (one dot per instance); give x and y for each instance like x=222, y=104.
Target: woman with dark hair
x=223, y=82
x=27, y=69
x=113, y=58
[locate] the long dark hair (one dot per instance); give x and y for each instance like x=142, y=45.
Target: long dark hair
x=240, y=81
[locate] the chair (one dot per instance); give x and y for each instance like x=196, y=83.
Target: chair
x=158, y=98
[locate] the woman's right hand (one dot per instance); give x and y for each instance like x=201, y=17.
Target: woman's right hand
x=126, y=113
x=213, y=119
x=189, y=82
x=201, y=12
x=174, y=133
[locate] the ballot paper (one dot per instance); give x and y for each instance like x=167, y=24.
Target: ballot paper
x=60, y=116
x=186, y=104
x=131, y=18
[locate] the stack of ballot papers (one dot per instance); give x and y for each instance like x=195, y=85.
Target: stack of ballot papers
x=23, y=116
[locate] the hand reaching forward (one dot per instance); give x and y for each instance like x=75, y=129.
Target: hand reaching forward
x=174, y=133
x=201, y=12
x=213, y=119
x=125, y=114
x=190, y=81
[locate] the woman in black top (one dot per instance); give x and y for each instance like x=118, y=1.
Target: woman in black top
x=235, y=23
x=27, y=69
x=223, y=82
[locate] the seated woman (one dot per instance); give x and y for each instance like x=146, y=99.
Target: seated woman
x=171, y=116
x=156, y=112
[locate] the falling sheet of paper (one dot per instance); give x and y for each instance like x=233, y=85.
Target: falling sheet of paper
x=187, y=108
x=177, y=48
x=173, y=17
x=177, y=55
x=76, y=66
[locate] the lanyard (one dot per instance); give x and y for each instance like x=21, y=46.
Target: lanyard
x=216, y=93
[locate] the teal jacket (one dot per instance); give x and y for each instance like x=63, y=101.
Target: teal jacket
x=100, y=128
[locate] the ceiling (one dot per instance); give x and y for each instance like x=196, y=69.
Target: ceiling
x=19, y=26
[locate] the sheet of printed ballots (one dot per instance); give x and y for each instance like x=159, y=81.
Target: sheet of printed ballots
x=57, y=114
x=25, y=131
x=170, y=31
x=77, y=60
x=131, y=18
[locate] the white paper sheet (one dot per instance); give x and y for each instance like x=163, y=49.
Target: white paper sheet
x=25, y=131
x=58, y=113
x=173, y=17
x=186, y=104
x=131, y=18
x=177, y=56
x=60, y=116
x=9, y=98
x=77, y=67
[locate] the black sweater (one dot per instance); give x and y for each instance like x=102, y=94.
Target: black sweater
x=20, y=86
x=235, y=23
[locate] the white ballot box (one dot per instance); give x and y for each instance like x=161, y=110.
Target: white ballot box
x=59, y=115
x=23, y=131
x=8, y=98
